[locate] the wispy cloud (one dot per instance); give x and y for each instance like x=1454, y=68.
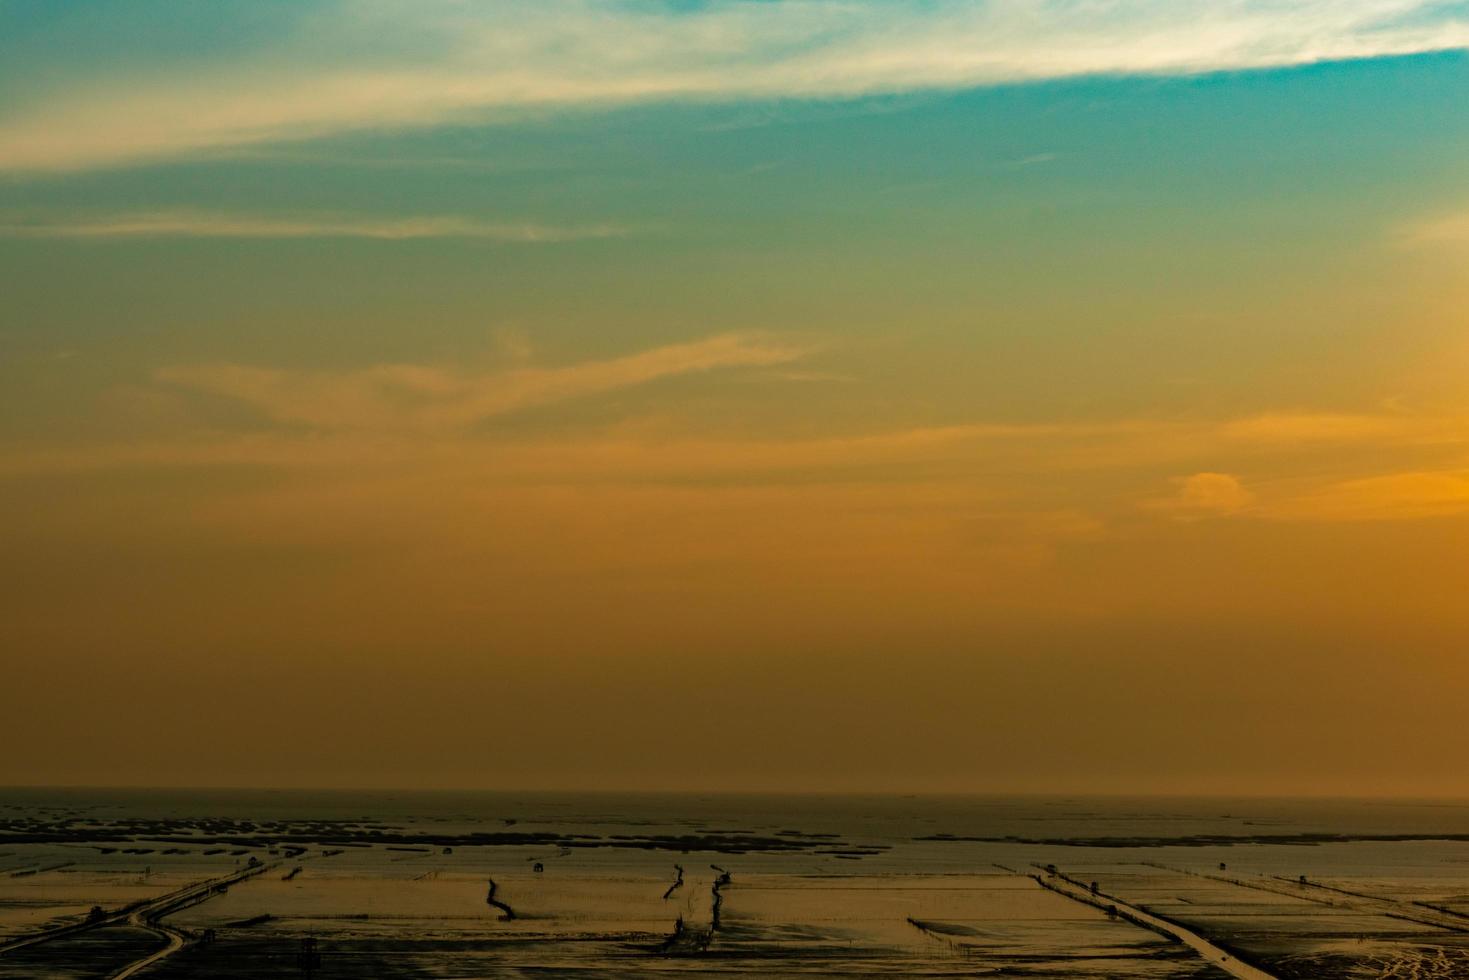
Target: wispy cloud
x=1291, y=429
x=362, y=63
x=408, y=396
x=400, y=424
x=1409, y=495
x=1033, y=160
x=202, y=224
x=421, y=418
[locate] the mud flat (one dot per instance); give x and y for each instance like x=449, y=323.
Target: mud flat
x=1288, y=928
x=398, y=887
x=98, y=953
x=771, y=925
x=1224, y=960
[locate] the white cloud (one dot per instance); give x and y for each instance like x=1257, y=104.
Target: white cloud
x=366, y=64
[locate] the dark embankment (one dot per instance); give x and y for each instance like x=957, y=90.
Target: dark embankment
x=944, y=929
x=254, y=920
x=1198, y=840
x=217, y=835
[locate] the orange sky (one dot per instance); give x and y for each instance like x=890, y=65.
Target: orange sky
x=810, y=421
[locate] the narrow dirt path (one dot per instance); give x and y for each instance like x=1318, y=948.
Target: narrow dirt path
x=1215, y=956
x=145, y=915
x=175, y=943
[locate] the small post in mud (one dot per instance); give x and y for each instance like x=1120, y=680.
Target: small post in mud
x=719, y=883
x=678, y=882
x=308, y=958
x=507, y=914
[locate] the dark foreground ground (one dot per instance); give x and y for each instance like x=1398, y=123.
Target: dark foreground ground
x=583, y=887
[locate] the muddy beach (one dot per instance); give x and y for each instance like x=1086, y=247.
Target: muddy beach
x=425, y=887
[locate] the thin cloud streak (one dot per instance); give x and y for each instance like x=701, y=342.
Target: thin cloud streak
x=495, y=62
x=365, y=411
x=387, y=422
x=195, y=224
x=396, y=397
x=1411, y=495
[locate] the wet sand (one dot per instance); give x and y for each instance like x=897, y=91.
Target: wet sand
x=607, y=888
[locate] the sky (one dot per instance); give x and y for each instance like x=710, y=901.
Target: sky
x=1056, y=396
